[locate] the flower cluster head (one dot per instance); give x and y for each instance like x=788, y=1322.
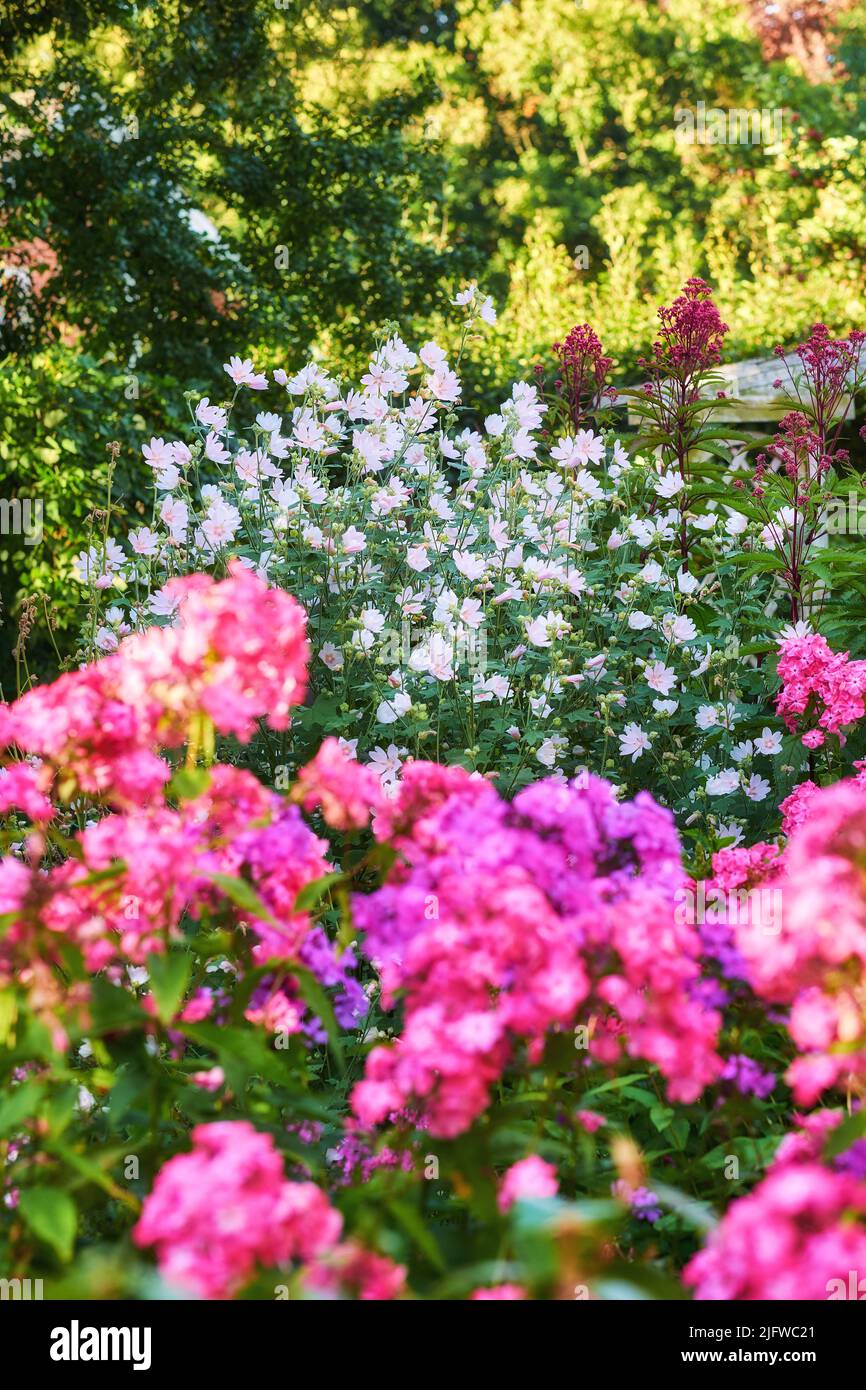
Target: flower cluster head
x=830, y=370
x=501, y=921
x=791, y=1239
x=691, y=334
x=815, y=958
x=236, y=653
x=343, y=790
x=799, y=1234
x=583, y=372
x=225, y=1209
x=527, y=1180
x=825, y=686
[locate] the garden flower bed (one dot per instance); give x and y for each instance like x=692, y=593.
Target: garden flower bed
x=443, y=875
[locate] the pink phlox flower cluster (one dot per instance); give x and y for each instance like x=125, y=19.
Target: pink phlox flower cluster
x=787, y=1240
x=22, y=789
x=815, y=959
x=824, y=685
x=798, y=1234
x=499, y=921
x=350, y=1271
x=225, y=1209
x=237, y=653
x=345, y=792
x=529, y=1179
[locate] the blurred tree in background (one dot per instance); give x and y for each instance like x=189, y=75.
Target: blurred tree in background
x=184, y=180
x=169, y=197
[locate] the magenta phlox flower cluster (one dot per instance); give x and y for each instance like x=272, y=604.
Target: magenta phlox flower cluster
x=502, y=921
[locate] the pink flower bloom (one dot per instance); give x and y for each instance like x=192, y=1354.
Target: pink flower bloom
x=351, y=1271
x=530, y=1177
x=501, y=921
x=218, y=1213
x=346, y=793
x=791, y=1239
x=499, y=1293
x=825, y=683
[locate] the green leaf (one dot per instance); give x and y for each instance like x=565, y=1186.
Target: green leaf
x=189, y=782
x=19, y=1105
x=243, y=895
x=845, y=1134
x=52, y=1216
x=169, y=976
x=418, y=1231
x=112, y=1009
x=8, y=1015
x=312, y=893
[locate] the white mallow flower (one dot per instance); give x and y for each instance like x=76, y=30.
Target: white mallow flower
x=86, y=1100
x=736, y=523
x=615, y=540
x=220, y=525
x=214, y=416
x=669, y=484
x=642, y=531
x=162, y=605
x=742, y=750
x=638, y=620
x=495, y=426
x=471, y=613
x=523, y=446
x=687, y=583
x=677, y=628
x=372, y=619
x=331, y=656
x=724, y=782
x=778, y=529
x=353, y=541
x=707, y=716
x=584, y=448
x=665, y=707
x=490, y=688
x=652, y=573
x=157, y=454
x=391, y=710
x=659, y=677
x=732, y=832
x=432, y=355
x=550, y=750
x=174, y=515
x=769, y=743
x=243, y=373
x=387, y=761
x=542, y=631
x=798, y=629
x=705, y=522
x=167, y=478
x=757, y=788
x=704, y=662
x=585, y=487
x=144, y=541
x=469, y=565
x=589, y=447
x=417, y=558
x=215, y=450
x=633, y=742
